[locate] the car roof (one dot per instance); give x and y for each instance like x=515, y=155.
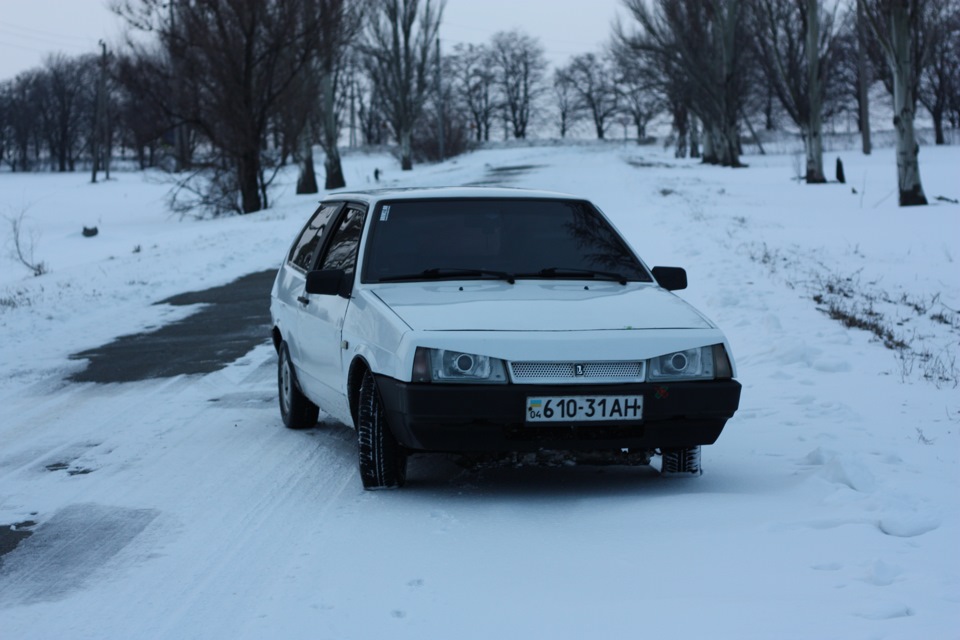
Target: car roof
x=372, y=196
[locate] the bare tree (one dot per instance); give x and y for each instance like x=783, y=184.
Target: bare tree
x=24, y=243
x=370, y=114
x=444, y=129
x=854, y=73
x=400, y=38
x=895, y=24
x=939, y=76
x=142, y=122
x=472, y=65
x=592, y=78
x=640, y=97
x=23, y=118
x=237, y=62
x=340, y=22
x=566, y=100
x=704, y=40
x=520, y=64
x=4, y=120
x=656, y=80
x=796, y=42
x=64, y=100
x=864, y=79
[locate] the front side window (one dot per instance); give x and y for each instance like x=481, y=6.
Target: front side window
x=520, y=238
x=304, y=251
x=342, y=252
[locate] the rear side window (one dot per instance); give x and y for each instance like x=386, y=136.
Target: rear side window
x=304, y=251
x=342, y=252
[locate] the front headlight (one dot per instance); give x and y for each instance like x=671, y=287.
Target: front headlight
x=690, y=364
x=443, y=365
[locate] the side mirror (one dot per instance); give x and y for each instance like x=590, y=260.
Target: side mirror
x=670, y=278
x=333, y=282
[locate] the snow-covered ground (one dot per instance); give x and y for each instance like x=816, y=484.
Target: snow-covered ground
x=181, y=508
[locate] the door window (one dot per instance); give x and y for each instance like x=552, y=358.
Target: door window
x=304, y=251
x=342, y=252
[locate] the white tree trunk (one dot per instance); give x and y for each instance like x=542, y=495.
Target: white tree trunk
x=331, y=134
x=901, y=64
x=813, y=137
x=863, y=81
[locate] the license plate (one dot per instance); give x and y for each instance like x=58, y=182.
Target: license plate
x=584, y=408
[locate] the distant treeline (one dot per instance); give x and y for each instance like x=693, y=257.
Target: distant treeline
x=224, y=92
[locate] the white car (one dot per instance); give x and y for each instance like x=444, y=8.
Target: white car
x=492, y=320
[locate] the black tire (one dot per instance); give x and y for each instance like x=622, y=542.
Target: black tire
x=383, y=462
x=681, y=462
x=296, y=411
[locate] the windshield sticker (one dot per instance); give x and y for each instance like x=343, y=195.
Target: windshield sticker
x=385, y=213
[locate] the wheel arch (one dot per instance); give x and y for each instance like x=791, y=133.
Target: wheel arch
x=277, y=338
x=358, y=368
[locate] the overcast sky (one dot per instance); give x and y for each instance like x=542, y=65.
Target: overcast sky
x=31, y=29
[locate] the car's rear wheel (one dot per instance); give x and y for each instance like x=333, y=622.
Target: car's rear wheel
x=681, y=462
x=383, y=461
x=296, y=411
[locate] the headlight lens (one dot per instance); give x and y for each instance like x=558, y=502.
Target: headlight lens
x=690, y=364
x=442, y=365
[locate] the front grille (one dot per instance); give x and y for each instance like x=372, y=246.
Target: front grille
x=577, y=372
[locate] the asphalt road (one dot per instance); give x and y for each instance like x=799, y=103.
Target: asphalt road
x=235, y=319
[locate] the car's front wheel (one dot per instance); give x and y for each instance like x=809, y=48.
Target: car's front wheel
x=681, y=462
x=296, y=411
x=383, y=461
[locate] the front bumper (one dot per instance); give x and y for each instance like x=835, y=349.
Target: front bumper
x=461, y=418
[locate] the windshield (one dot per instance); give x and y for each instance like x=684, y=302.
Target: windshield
x=495, y=238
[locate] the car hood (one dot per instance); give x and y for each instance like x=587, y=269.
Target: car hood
x=537, y=306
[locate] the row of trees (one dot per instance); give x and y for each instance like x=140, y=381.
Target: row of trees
x=230, y=90
x=719, y=60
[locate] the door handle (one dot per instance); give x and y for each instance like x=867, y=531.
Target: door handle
x=303, y=300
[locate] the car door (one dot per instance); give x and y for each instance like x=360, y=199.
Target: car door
x=292, y=277
x=321, y=316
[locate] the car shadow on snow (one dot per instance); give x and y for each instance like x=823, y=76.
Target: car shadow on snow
x=453, y=476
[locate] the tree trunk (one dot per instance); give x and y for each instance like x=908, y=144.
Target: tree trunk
x=694, y=138
x=335, y=179
x=331, y=134
x=709, y=145
x=937, y=115
x=681, y=122
x=249, y=175
x=813, y=144
x=307, y=181
x=406, y=151
x=863, y=82
x=813, y=137
x=729, y=145
x=901, y=63
x=641, y=132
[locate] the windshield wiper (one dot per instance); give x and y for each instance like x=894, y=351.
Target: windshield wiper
x=442, y=273
x=563, y=272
